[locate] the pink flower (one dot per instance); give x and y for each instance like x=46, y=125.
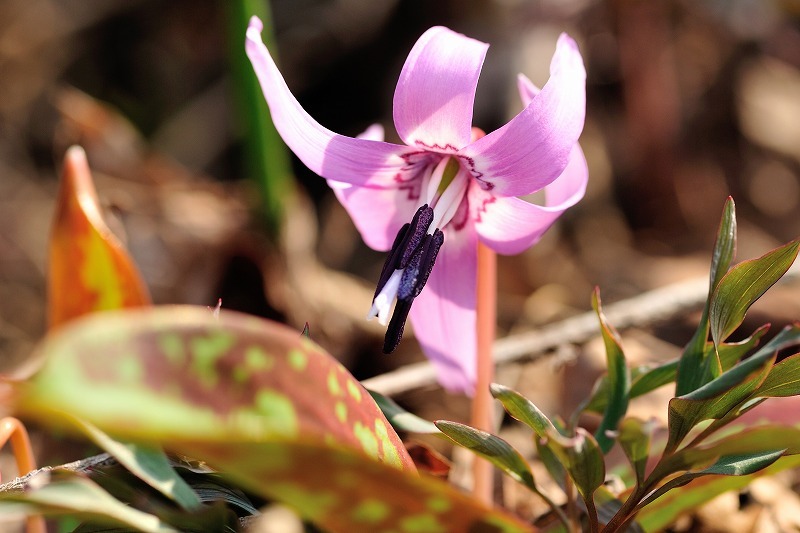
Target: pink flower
x=456, y=186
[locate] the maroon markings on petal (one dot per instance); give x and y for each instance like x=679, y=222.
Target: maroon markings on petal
x=396, y=325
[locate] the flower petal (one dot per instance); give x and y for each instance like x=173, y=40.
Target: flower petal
x=533, y=148
x=377, y=213
x=443, y=315
x=333, y=156
x=512, y=225
x=436, y=90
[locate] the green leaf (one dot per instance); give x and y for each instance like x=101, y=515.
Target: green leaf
x=148, y=463
x=401, y=419
x=255, y=401
x=665, y=510
x=522, y=409
x=783, y=380
x=72, y=494
x=492, y=448
x=745, y=284
x=634, y=437
x=730, y=465
x=645, y=379
x=786, y=338
x=697, y=366
x=619, y=380
x=686, y=412
x=739, y=441
x=583, y=459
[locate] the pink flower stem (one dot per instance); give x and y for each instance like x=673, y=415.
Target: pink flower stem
x=483, y=487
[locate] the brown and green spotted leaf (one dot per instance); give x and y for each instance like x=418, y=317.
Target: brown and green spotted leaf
x=89, y=269
x=178, y=373
x=258, y=402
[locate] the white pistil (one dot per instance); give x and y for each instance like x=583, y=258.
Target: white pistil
x=432, y=193
x=382, y=305
x=448, y=203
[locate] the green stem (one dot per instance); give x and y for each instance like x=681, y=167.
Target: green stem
x=267, y=159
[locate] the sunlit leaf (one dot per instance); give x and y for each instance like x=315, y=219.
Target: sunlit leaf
x=619, y=380
x=783, y=380
x=494, y=449
x=741, y=441
x=697, y=365
x=743, y=285
x=729, y=465
x=401, y=419
x=666, y=509
x=256, y=401
x=685, y=412
x=89, y=269
x=523, y=410
x=75, y=495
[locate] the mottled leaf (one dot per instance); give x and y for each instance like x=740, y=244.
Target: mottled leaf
x=496, y=450
x=255, y=400
x=89, y=269
x=401, y=419
x=743, y=285
x=72, y=494
x=618, y=379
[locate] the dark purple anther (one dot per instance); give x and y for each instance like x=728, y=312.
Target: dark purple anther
x=405, y=244
x=427, y=259
x=396, y=325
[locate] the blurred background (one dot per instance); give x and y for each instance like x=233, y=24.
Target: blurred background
x=689, y=101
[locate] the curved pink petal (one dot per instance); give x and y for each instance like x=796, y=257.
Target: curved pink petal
x=436, y=90
x=443, y=315
x=527, y=89
x=512, y=225
x=332, y=156
x=377, y=213
x=533, y=148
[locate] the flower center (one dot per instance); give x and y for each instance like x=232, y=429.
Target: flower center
x=412, y=256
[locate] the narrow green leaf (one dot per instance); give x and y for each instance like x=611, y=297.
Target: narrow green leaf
x=738, y=441
x=635, y=436
x=148, y=463
x=523, y=410
x=68, y=493
x=743, y=285
x=694, y=367
x=661, y=513
x=730, y=465
x=619, y=379
x=401, y=419
x=492, y=448
x=783, y=380
x=645, y=379
x=685, y=412
x=268, y=162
